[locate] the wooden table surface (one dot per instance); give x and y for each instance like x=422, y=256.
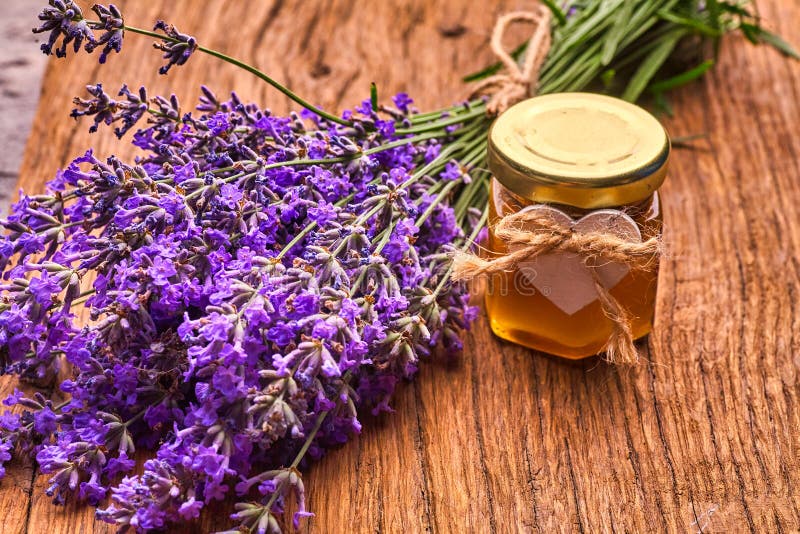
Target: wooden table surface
x=702, y=436
x=22, y=66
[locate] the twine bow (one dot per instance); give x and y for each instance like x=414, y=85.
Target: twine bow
x=516, y=83
x=528, y=234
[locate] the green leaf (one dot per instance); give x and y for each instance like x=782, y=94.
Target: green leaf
x=692, y=23
x=750, y=32
x=373, y=96
x=714, y=12
x=557, y=13
x=728, y=7
x=644, y=19
x=650, y=65
x=687, y=141
x=663, y=106
x=757, y=34
x=777, y=42
x=682, y=78
x=617, y=32
x=607, y=77
x=591, y=26
x=715, y=16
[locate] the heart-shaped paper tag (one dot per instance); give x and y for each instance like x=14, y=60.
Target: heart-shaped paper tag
x=563, y=277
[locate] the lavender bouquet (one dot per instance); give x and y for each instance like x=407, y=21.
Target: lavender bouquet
x=254, y=281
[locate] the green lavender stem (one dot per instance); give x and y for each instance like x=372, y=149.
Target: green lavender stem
x=249, y=68
x=470, y=241
x=312, y=434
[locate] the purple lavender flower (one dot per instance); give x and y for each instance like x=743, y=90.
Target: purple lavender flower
x=114, y=29
x=453, y=171
x=402, y=101
x=144, y=502
x=64, y=20
x=177, y=47
x=161, y=271
x=6, y=447
x=244, y=304
x=106, y=110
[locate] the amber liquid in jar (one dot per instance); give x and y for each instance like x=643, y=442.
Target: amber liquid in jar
x=525, y=315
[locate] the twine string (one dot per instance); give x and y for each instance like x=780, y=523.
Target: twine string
x=517, y=83
x=529, y=234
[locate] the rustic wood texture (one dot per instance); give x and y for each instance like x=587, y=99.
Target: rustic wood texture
x=702, y=437
x=22, y=66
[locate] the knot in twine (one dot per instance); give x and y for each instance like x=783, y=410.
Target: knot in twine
x=516, y=83
x=528, y=234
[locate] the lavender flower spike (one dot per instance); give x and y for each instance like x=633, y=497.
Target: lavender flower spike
x=63, y=19
x=244, y=303
x=112, y=22
x=106, y=110
x=177, y=47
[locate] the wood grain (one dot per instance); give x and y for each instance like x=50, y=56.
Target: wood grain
x=704, y=437
x=22, y=66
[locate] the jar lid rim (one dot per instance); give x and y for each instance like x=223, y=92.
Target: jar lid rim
x=582, y=149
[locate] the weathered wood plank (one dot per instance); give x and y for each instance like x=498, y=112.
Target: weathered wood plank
x=703, y=437
x=22, y=68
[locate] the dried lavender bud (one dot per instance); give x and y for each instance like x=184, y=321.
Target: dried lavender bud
x=106, y=110
x=64, y=20
x=177, y=47
x=112, y=23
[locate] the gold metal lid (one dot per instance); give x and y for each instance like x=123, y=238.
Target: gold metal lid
x=580, y=149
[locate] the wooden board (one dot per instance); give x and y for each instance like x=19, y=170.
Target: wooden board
x=22, y=66
x=704, y=436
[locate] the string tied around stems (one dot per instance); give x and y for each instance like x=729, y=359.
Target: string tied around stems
x=528, y=234
x=517, y=82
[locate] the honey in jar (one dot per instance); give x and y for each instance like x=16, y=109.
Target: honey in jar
x=595, y=164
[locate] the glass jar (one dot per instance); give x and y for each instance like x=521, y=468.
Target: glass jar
x=594, y=163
